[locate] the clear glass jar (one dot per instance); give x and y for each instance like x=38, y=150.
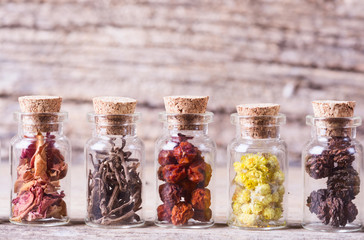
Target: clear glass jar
x=331, y=163
x=185, y=163
x=257, y=172
x=40, y=157
x=114, y=161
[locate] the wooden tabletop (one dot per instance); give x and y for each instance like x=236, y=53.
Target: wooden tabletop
x=78, y=230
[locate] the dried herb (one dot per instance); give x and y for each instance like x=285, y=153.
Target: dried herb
x=340, y=152
x=334, y=205
x=40, y=169
x=331, y=209
x=114, y=187
x=186, y=175
x=344, y=183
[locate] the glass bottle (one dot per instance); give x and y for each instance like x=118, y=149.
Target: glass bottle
x=40, y=157
x=114, y=160
x=185, y=163
x=257, y=171
x=331, y=163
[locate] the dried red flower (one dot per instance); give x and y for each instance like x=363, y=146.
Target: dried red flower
x=181, y=213
x=165, y=157
x=174, y=173
x=170, y=193
x=41, y=166
x=202, y=215
x=201, y=199
x=164, y=212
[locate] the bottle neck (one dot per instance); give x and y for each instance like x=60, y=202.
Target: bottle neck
x=114, y=130
x=31, y=124
x=328, y=127
x=26, y=129
x=324, y=132
x=257, y=132
x=193, y=129
x=114, y=124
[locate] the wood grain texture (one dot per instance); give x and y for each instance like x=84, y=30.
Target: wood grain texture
x=236, y=51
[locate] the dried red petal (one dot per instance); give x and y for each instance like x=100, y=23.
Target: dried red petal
x=201, y=199
x=164, y=212
x=202, y=215
x=165, y=157
x=28, y=153
x=170, y=193
x=181, y=213
x=174, y=173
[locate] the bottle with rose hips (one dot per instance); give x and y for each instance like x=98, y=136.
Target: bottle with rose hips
x=114, y=161
x=332, y=161
x=185, y=157
x=257, y=168
x=40, y=158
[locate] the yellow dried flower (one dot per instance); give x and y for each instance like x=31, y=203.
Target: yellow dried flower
x=259, y=194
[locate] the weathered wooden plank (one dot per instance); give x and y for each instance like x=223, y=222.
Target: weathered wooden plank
x=289, y=52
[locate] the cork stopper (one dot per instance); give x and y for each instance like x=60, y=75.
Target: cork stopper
x=336, y=114
x=46, y=106
x=40, y=104
x=334, y=109
x=259, y=109
x=114, y=114
x=184, y=111
x=259, y=121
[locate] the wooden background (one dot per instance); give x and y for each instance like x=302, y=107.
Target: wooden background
x=235, y=51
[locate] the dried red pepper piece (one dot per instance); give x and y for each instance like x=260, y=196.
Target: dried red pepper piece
x=174, y=173
x=164, y=212
x=201, y=199
x=181, y=213
x=165, y=157
x=202, y=215
x=185, y=153
x=160, y=173
x=200, y=172
x=188, y=187
x=170, y=193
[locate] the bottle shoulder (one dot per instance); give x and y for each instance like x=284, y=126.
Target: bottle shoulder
x=201, y=141
x=101, y=143
x=257, y=145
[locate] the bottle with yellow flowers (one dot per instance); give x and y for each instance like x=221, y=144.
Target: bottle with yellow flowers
x=257, y=168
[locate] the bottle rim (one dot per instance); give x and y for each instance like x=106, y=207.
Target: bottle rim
x=249, y=121
x=346, y=122
x=113, y=119
x=198, y=118
x=51, y=117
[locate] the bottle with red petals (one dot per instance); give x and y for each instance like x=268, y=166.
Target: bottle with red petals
x=40, y=157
